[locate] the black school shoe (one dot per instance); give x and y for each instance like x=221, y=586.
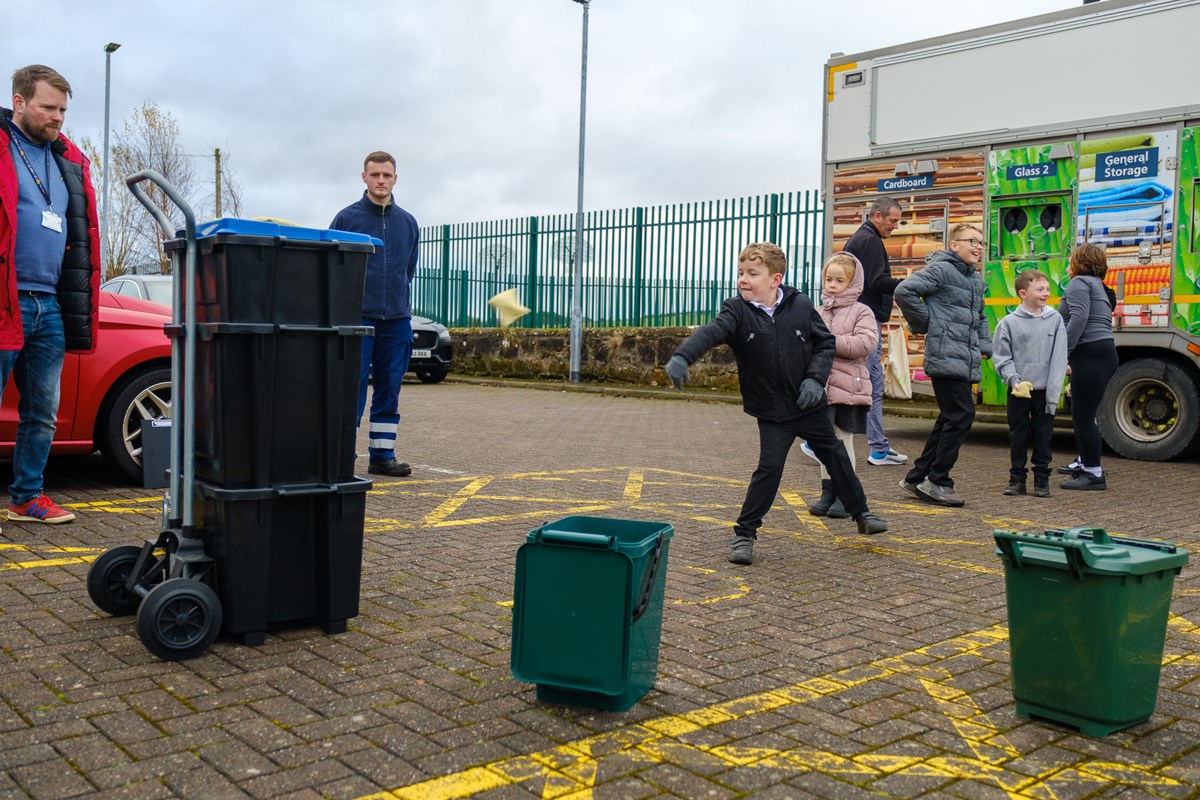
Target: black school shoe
x=1085, y=481
x=390, y=467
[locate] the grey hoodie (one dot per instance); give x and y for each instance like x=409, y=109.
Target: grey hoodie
x=1032, y=348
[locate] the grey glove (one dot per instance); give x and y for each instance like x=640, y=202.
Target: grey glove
x=677, y=371
x=811, y=394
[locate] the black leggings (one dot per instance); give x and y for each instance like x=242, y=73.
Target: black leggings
x=1092, y=368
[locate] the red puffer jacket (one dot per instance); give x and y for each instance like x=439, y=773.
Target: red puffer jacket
x=79, y=283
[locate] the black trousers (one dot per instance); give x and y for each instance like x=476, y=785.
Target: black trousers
x=1028, y=423
x=956, y=412
x=775, y=439
x=1092, y=367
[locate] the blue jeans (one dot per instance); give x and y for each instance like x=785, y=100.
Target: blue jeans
x=876, y=438
x=37, y=369
x=385, y=359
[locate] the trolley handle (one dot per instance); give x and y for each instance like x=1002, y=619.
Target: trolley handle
x=183, y=354
x=164, y=222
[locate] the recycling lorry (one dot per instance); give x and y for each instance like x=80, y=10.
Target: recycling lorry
x=1076, y=126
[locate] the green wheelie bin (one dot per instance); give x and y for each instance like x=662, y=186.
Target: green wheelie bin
x=1087, y=620
x=587, y=610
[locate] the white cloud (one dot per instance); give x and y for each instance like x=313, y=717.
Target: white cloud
x=688, y=100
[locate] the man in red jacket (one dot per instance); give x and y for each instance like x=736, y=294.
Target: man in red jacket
x=49, y=272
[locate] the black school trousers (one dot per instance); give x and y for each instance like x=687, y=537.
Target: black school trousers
x=775, y=439
x=1029, y=424
x=956, y=412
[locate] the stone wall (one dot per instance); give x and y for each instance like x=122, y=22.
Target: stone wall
x=620, y=355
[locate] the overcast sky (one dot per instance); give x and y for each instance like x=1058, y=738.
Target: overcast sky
x=479, y=99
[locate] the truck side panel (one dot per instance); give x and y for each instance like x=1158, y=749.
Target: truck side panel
x=1037, y=79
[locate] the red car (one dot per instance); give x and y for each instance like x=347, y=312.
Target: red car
x=106, y=395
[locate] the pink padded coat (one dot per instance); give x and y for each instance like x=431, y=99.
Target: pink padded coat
x=857, y=334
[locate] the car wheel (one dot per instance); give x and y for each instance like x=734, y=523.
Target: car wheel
x=144, y=395
x=431, y=375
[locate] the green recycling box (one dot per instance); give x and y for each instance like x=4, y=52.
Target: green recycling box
x=1087, y=619
x=587, y=611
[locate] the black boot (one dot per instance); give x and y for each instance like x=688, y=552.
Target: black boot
x=1041, y=485
x=827, y=499
x=837, y=510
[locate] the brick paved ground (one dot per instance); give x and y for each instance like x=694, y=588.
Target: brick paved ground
x=836, y=666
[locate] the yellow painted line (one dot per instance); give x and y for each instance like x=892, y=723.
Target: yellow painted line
x=461, y=496
x=539, y=514
x=47, y=562
x=633, y=486
x=984, y=739
x=570, y=768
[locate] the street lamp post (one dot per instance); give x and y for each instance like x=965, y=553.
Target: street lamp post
x=577, y=261
x=109, y=49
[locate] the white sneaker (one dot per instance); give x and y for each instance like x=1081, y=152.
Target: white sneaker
x=804, y=448
x=886, y=457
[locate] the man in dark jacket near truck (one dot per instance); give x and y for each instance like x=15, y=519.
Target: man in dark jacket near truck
x=387, y=307
x=49, y=272
x=878, y=285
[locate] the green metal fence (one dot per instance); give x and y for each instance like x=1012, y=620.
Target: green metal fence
x=642, y=267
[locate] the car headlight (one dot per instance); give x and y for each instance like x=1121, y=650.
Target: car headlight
x=443, y=335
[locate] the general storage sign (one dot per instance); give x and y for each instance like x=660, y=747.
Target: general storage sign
x=1126, y=165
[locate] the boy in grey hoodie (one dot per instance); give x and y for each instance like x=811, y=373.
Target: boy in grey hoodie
x=1030, y=356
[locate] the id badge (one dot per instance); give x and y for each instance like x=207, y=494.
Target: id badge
x=52, y=221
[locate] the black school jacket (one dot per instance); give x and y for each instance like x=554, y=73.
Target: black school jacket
x=774, y=353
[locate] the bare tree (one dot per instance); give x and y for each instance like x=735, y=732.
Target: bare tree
x=148, y=139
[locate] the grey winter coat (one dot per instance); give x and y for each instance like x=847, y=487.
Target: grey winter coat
x=944, y=301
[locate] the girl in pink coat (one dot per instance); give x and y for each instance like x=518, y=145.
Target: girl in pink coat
x=849, y=386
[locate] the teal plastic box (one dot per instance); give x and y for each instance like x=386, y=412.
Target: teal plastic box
x=1087, y=621
x=587, y=610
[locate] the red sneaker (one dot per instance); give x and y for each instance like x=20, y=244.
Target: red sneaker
x=39, y=509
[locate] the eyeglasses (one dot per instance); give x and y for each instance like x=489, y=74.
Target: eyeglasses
x=973, y=242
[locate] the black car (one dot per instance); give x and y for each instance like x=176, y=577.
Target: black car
x=432, y=353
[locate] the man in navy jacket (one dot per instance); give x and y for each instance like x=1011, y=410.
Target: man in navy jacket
x=387, y=306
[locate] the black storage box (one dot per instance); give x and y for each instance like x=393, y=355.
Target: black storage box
x=261, y=272
x=275, y=404
x=284, y=555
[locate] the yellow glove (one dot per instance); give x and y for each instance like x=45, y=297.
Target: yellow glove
x=1022, y=389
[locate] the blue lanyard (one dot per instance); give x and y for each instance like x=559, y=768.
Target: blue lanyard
x=45, y=190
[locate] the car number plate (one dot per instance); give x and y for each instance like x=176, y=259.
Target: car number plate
x=422, y=353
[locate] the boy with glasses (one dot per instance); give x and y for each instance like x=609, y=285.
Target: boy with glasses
x=944, y=301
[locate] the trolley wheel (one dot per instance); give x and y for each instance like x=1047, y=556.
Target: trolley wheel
x=179, y=619
x=107, y=578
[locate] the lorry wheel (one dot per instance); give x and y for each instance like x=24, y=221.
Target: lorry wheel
x=1151, y=411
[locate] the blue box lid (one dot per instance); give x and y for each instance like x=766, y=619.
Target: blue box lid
x=232, y=226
